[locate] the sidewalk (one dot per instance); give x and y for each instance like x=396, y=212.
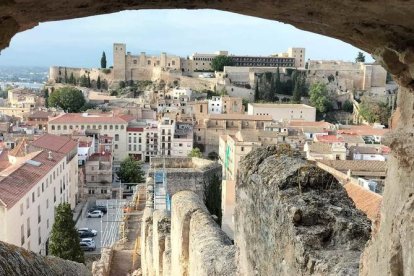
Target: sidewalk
x=77, y=212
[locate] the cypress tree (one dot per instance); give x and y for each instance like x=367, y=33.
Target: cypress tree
x=89, y=81
x=278, y=84
x=66, y=76
x=64, y=239
x=297, y=90
x=103, y=60
x=98, y=82
x=72, y=79
x=256, y=91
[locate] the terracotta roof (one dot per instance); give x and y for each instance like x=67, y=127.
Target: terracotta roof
x=81, y=118
x=364, y=150
x=244, y=117
x=363, y=130
x=20, y=149
x=4, y=160
x=365, y=200
x=135, y=129
x=100, y=157
x=39, y=115
x=328, y=138
x=61, y=144
x=356, y=165
x=127, y=117
x=318, y=147
x=320, y=124
x=21, y=177
x=350, y=138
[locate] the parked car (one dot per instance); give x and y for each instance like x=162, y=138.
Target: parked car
x=87, y=246
x=95, y=214
x=100, y=208
x=94, y=232
x=91, y=241
x=86, y=234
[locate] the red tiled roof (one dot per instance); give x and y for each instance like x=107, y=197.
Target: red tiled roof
x=79, y=118
x=40, y=115
x=363, y=130
x=135, y=129
x=127, y=117
x=100, y=157
x=310, y=124
x=365, y=200
x=329, y=138
x=20, y=181
x=61, y=144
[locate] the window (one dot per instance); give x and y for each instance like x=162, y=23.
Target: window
x=111, y=127
x=28, y=227
x=53, y=127
x=116, y=127
x=92, y=178
x=21, y=209
x=129, y=140
x=116, y=137
x=54, y=194
x=129, y=147
x=40, y=235
x=47, y=203
x=39, y=217
x=38, y=191
x=47, y=223
x=33, y=197
x=43, y=187
x=27, y=203
x=242, y=148
x=22, y=234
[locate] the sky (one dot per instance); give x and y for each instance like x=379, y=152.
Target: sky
x=80, y=42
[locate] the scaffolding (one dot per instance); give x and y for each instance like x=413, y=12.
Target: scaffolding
x=161, y=196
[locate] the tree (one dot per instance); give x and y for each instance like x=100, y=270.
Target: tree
x=121, y=84
x=64, y=238
x=98, y=82
x=212, y=155
x=103, y=60
x=46, y=97
x=218, y=62
x=89, y=81
x=348, y=106
x=278, y=84
x=83, y=81
x=256, y=91
x=195, y=152
x=72, y=79
x=319, y=97
x=68, y=98
x=360, y=57
x=297, y=91
x=131, y=171
x=66, y=76
x=212, y=197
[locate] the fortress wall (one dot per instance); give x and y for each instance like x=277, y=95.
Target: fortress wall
x=211, y=252
x=161, y=230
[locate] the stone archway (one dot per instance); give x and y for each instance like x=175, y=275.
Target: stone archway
x=383, y=28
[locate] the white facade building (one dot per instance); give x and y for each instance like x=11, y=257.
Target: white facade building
x=33, y=183
x=283, y=112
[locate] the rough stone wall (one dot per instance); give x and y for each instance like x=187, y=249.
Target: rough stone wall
x=292, y=218
x=18, y=261
x=390, y=250
x=195, y=245
x=102, y=266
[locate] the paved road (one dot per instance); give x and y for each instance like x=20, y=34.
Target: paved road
x=107, y=226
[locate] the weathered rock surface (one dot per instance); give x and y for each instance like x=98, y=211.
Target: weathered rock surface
x=384, y=28
x=292, y=218
x=20, y=262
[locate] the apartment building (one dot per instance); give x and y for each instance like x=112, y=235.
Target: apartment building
x=99, y=124
x=21, y=98
x=208, y=128
x=98, y=172
x=35, y=178
x=225, y=105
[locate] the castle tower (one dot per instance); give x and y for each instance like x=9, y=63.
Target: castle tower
x=119, y=61
x=163, y=60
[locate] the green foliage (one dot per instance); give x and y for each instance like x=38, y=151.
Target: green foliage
x=103, y=60
x=348, y=106
x=331, y=78
x=389, y=77
x=212, y=155
x=375, y=112
x=195, y=152
x=319, y=97
x=212, y=198
x=45, y=95
x=106, y=71
x=360, y=57
x=297, y=93
x=218, y=62
x=69, y=99
x=245, y=103
x=130, y=171
x=72, y=79
x=66, y=76
x=256, y=92
x=64, y=239
x=122, y=84
x=98, y=82
x=83, y=81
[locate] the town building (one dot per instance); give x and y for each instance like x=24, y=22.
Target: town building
x=99, y=124
x=35, y=178
x=325, y=151
x=98, y=175
x=283, y=112
x=21, y=98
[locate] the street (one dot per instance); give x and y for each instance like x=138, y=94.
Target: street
x=108, y=226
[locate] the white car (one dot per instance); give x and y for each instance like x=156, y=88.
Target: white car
x=95, y=214
x=89, y=241
x=94, y=232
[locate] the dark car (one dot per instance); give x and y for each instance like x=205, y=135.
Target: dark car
x=86, y=234
x=100, y=208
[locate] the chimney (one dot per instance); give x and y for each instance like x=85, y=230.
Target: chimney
x=50, y=155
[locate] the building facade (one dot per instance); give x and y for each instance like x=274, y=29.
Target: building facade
x=283, y=112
